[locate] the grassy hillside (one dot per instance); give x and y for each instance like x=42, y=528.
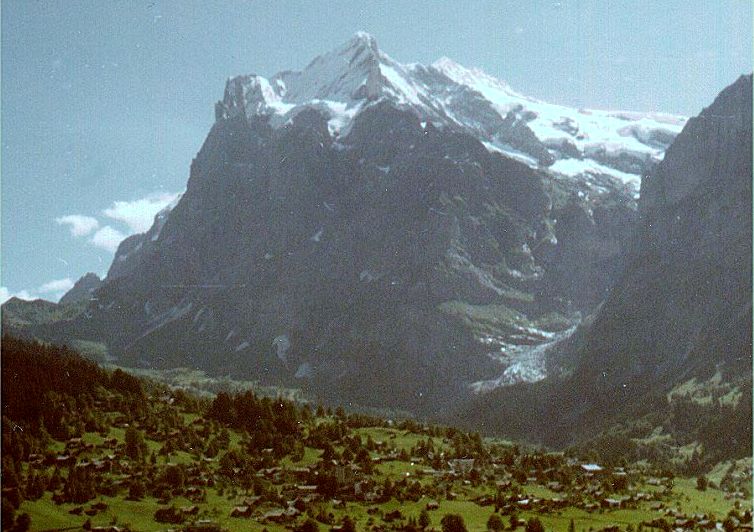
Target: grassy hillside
x=88, y=447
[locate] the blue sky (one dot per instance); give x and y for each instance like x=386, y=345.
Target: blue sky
x=105, y=103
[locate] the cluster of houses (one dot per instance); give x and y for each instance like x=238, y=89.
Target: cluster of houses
x=568, y=483
x=74, y=448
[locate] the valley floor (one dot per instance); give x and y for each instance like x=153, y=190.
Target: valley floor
x=471, y=495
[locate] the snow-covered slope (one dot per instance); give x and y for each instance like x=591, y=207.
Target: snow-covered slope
x=590, y=145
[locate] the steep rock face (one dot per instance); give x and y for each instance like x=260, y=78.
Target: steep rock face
x=690, y=271
x=82, y=290
x=343, y=263
x=591, y=243
x=130, y=251
x=386, y=234
x=682, y=308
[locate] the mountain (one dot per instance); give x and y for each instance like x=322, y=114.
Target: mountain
x=21, y=315
x=381, y=234
x=678, y=321
x=82, y=290
x=686, y=294
x=593, y=145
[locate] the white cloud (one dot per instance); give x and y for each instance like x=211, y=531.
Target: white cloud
x=107, y=238
x=78, y=224
x=58, y=285
x=51, y=291
x=5, y=295
x=139, y=214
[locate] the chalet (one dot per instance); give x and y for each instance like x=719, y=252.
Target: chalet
x=65, y=460
x=684, y=523
x=102, y=466
x=278, y=515
x=251, y=501
x=558, y=502
x=241, y=511
x=610, y=503
x=485, y=500
x=591, y=469
x=433, y=505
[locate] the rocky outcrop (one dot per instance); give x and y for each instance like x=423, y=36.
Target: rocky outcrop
x=689, y=271
x=82, y=290
x=682, y=307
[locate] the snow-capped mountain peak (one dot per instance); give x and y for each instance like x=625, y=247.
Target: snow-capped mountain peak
x=589, y=145
x=469, y=77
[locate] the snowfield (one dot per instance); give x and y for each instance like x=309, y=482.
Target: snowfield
x=570, y=143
